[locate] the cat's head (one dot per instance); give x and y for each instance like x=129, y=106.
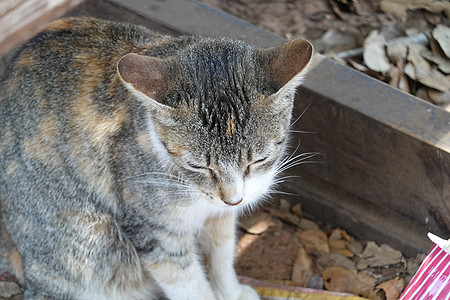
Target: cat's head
x=221, y=111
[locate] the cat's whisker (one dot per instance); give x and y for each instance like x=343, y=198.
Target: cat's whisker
x=298, y=163
x=278, y=192
x=283, y=179
x=296, y=160
x=301, y=115
x=301, y=131
x=288, y=157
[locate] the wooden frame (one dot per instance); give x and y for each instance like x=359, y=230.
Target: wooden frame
x=385, y=155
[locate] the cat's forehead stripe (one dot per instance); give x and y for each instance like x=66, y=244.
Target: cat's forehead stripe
x=231, y=126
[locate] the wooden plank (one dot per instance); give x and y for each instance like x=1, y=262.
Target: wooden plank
x=20, y=19
x=109, y=10
x=193, y=17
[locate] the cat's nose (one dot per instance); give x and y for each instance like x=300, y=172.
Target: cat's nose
x=233, y=203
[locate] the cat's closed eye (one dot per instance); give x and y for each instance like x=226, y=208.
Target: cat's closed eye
x=196, y=166
x=203, y=169
x=254, y=164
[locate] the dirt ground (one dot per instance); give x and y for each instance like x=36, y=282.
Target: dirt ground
x=283, y=245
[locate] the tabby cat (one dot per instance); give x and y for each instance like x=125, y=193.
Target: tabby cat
x=126, y=156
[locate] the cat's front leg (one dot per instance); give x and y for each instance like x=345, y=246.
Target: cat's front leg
x=218, y=240
x=176, y=268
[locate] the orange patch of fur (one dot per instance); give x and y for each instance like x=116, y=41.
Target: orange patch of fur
x=143, y=140
x=25, y=60
x=42, y=146
x=91, y=122
x=231, y=126
x=58, y=25
x=15, y=259
x=167, y=269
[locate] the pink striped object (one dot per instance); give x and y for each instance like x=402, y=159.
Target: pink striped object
x=432, y=280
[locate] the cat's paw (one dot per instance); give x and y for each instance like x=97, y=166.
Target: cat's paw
x=247, y=293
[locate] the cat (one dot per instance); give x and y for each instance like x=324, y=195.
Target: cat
x=126, y=157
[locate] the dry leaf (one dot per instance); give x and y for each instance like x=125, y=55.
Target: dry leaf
x=337, y=244
x=355, y=247
x=314, y=241
x=9, y=289
x=339, y=247
x=399, y=8
x=302, y=271
x=397, y=77
x=422, y=71
x=381, y=256
x=358, y=66
x=422, y=93
x=283, y=213
x=392, y=288
x=306, y=224
x=374, y=54
x=364, y=8
x=434, y=79
x=336, y=260
x=393, y=8
x=410, y=71
x=442, y=63
x=446, y=107
x=335, y=41
x=316, y=282
x=403, y=83
x=412, y=265
x=297, y=210
x=439, y=98
x=366, y=283
x=415, y=57
x=258, y=223
x=338, y=234
x=397, y=51
x=442, y=35
x=361, y=264
x=341, y=280
x=394, y=76
x=432, y=18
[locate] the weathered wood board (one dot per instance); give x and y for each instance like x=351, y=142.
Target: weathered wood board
x=385, y=155
x=20, y=19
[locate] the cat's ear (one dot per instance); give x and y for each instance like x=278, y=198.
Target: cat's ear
x=286, y=64
x=145, y=74
x=149, y=78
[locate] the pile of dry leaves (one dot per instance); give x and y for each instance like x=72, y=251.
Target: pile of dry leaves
x=411, y=53
x=405, y=43
x=279, y=245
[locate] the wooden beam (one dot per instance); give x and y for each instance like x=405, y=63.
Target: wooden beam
x=21, y=19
